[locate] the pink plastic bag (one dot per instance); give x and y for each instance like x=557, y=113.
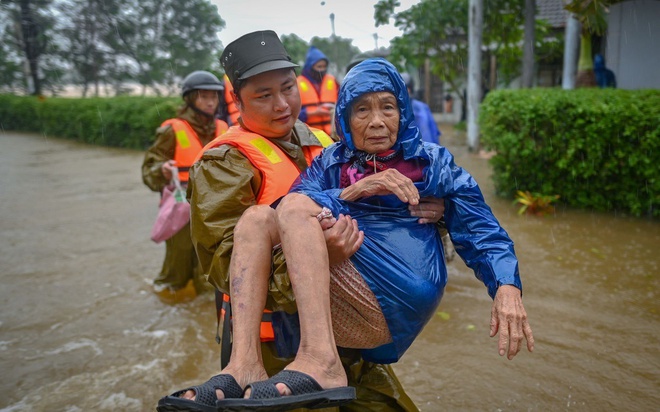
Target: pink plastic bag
x=174, y=212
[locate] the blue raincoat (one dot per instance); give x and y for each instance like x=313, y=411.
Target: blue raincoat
x=401, y=260
x=312, y=57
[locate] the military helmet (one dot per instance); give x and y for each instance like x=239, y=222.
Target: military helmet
x=200, y=80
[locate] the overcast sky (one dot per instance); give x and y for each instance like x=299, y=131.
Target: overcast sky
x=354, y=19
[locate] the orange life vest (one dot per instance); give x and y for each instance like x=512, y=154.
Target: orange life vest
x=188, y=146
x=232, y=110
x=277, y=171
x=278, y=174
x=311, y=100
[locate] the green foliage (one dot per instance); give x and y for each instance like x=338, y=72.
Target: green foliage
x=433, y=29
x=108, y=42
x=535, y=203
x=120, y=121
x=339, y=50
x=599, y=149
x=28, y=31
x=592, y=14
x=296, y=47
x=437, y=30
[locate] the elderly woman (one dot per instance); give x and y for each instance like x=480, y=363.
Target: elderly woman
x=380, y=299
x=379, y=167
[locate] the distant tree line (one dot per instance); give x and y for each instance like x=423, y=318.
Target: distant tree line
x=47, y=44
x=437, y=30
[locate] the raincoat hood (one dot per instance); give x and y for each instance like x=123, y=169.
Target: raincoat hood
x=377, y=75
x=313, y=56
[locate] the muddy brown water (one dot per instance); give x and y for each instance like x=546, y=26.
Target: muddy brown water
x=80, y=329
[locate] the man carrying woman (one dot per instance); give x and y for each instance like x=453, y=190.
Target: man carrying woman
x=240, y=174
x=395, y=279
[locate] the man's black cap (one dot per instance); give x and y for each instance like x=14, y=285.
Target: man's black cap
x=254, y=53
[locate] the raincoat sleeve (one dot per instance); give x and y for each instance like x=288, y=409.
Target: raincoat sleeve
x=479, y=239
x=160, y=152
x=221, y=187
x=318, y=183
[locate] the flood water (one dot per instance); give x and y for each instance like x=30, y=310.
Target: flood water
x=80, y=329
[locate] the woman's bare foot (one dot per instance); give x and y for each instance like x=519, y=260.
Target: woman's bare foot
x=329, y=373
x=243, y=375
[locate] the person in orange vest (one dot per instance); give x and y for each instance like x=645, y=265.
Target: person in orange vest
x=318, y=91
x=253, y=164
x=177, y=143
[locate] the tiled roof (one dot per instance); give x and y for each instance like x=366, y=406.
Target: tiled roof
x=552, y=11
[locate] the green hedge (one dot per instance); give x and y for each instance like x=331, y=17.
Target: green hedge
x=599, y=149
x=128, y=122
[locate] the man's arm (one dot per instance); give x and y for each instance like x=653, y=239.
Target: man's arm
x=219, y=191
x=160, y=152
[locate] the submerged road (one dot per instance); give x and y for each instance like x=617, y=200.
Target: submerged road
x=80, y=329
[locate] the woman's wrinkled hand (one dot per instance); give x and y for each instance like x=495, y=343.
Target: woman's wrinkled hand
x=342, y=238
x=508, y=316
x=387, y=182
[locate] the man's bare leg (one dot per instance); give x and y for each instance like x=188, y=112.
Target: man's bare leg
x=254, y=237
x=306, y=254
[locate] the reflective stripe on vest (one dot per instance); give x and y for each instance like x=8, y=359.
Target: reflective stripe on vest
x=232, y=110
x=311, y=100
x=188, y=146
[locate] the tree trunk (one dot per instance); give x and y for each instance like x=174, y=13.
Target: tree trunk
x=476, y=23
x=585, y=76
x=570, y=52
x=30, y=32
x=528, y=47
x=492, y=78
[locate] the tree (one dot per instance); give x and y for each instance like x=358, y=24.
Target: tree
x=82, y=32
x=296, y=47
x=31, y=35
x=10, y=59
x=161, y=41
x=339, y=50
x=437, y=30
x=108, y=42
x=157, y=42
x=591, y=14
x=190, y=46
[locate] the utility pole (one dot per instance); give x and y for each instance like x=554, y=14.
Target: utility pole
x=476, y=23
x=332, y=24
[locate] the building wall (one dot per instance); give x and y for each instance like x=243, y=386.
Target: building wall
x=633, y=44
